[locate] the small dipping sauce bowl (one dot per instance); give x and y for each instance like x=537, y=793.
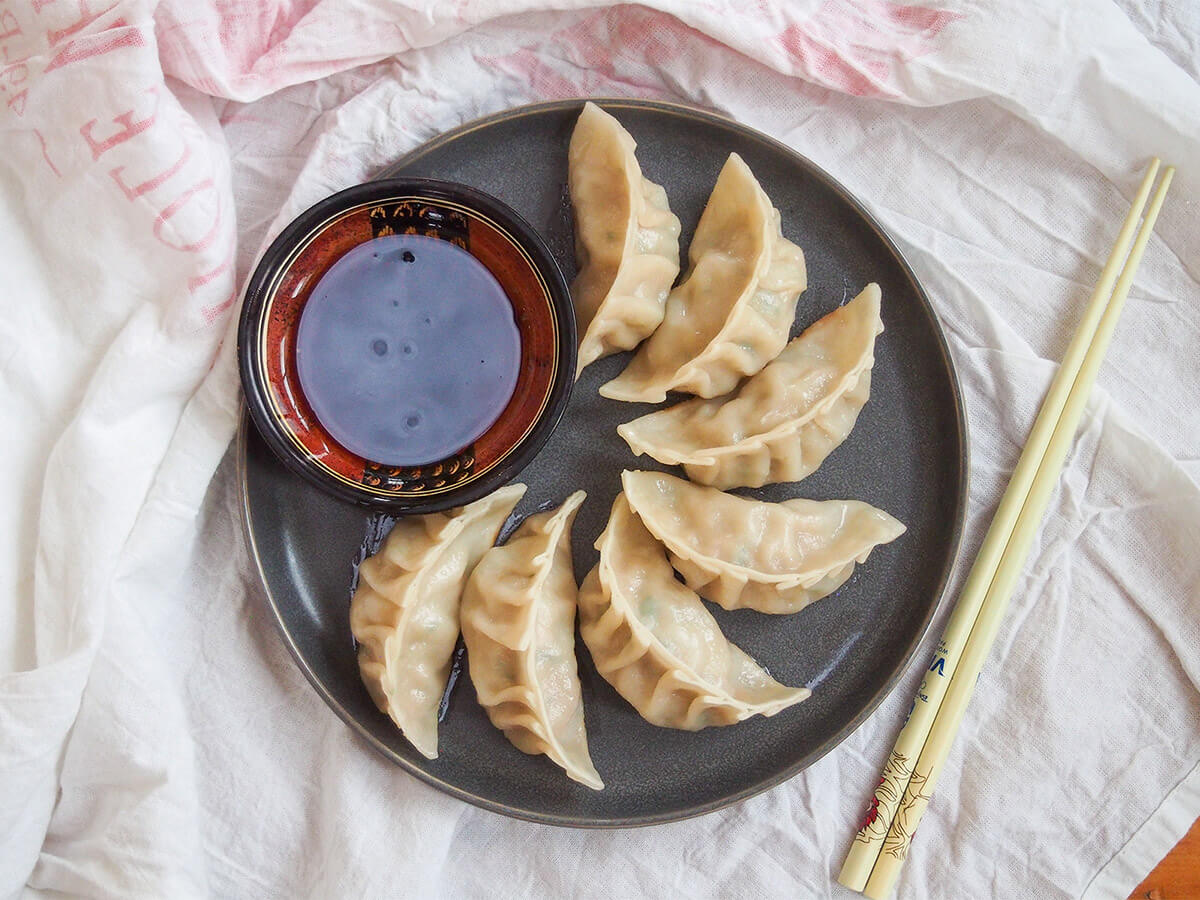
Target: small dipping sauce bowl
x=407, y=344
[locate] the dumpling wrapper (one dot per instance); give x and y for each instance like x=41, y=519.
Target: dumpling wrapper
x=405, y=612
x=733, y=311
x=781, y=424
x=518, y=622
x=626, y=239
x=744, y=553
x=654, y=641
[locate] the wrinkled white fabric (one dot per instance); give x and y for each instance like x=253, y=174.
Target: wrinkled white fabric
x=156, y=739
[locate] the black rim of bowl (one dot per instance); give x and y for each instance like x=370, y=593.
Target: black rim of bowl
x=252, y=319
x=687, y=111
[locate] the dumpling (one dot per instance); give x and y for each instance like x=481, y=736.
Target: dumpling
x=743, y=553
x=782, y=423
x=655, y=642
x=626, y=239
x=404, y=613
x=733, y=311
x=518, y=621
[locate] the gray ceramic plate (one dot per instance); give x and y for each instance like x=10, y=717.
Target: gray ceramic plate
x=907, y=455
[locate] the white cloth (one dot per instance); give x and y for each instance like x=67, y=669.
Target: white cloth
x=156, y=739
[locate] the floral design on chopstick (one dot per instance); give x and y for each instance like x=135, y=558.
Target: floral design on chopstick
x=886, y=798
x=899, y=839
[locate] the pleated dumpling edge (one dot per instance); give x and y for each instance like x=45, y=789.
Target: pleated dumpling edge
x=782, y=423
x=733, y=311
x=626, y=239
x=743, y=553
x=518, y=623
x=654, y=641
x=405, y=612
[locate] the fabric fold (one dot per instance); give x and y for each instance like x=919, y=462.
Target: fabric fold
x=155, y=737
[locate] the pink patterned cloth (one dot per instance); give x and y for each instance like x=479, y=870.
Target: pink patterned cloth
x=155, y=738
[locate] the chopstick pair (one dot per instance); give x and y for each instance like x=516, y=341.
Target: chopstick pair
x=916, y=761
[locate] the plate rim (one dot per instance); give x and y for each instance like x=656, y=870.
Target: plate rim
x=962, y=494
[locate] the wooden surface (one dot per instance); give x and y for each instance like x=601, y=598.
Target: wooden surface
x=1177, y=877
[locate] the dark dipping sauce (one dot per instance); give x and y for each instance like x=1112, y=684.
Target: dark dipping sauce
x=407, y=350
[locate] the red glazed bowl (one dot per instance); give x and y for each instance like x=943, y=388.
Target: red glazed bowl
x=494, y=235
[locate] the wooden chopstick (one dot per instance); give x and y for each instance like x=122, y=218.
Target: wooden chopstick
x=879, y=848
x=868, y=843
x=945, y=727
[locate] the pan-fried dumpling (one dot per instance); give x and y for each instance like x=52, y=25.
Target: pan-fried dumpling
x=782, y=423
x=518, y=621
x=743, y=553
x=733, y=311
x=404, y=613
x=626, y=239
x=655, y=642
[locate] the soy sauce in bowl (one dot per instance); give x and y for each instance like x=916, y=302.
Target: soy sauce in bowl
x=407, y=350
